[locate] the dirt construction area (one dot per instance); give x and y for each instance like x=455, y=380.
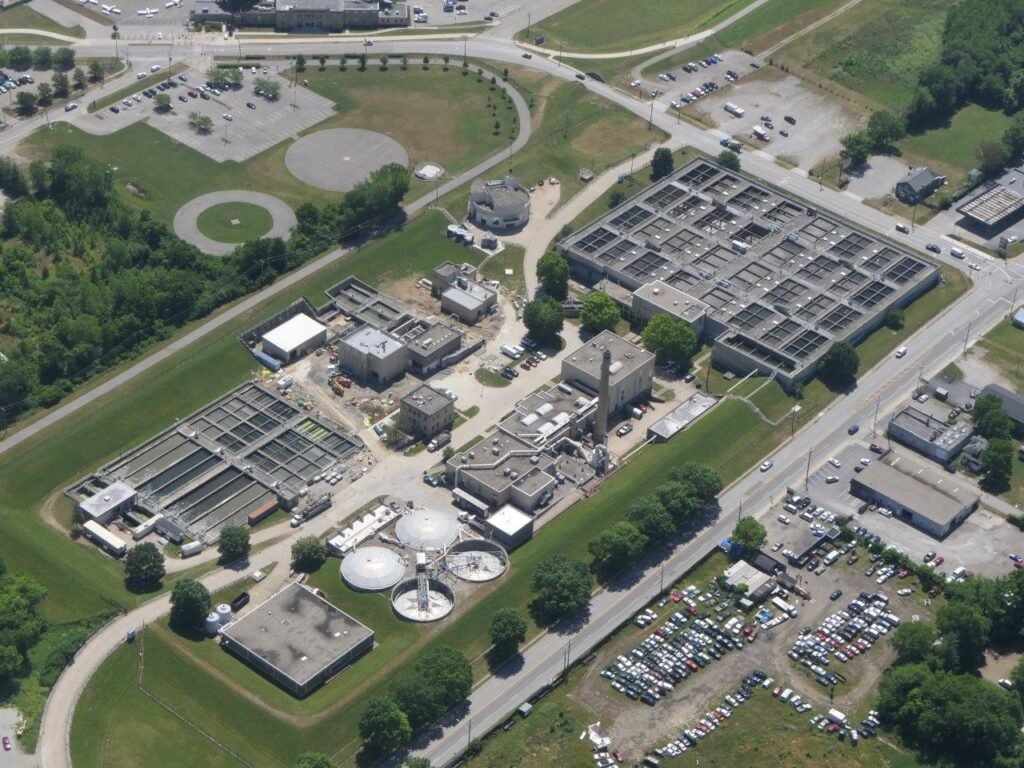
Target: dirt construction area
x=635, y=727
x=820, y=119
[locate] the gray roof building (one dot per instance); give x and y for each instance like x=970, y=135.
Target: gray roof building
x=1012, y=402
x=631, y=373
x=373, y=355
x=297, y=639
x=781, y=280
x=932, y=501
x=928, y=435
x=997, y=200
x=917, y=184
x=499, y=205
x=659, y=297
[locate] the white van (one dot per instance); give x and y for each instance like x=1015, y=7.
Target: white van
x=786, y=694
x=902, y=351
x=956, y=253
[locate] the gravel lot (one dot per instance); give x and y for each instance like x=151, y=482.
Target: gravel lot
x=878, y=177
x=820, y=120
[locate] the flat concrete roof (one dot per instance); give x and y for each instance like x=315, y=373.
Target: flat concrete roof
x=939, y=497
x=297, y=632
x=427, y=400
x=472, y=296
x=541, y=414
x=680, y=417
x=672, y=300
x=432, y=339
x=627, y=357
x=782, y=279
x=742, y=572
x=509, y=520
x=107, y=499
x=928, y=428
x=493, y=465
x=373, y=341
x=993, y=206
x=293, y=333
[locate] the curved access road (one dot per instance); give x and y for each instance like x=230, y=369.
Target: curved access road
x=186, y=220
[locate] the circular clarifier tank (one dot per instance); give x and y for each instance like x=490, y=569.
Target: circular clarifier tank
x=431, y=604
x=427, y=529
x=372, y=569
x=476, y=560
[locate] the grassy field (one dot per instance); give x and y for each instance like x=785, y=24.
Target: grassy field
x=1003, y=349
x=418, y=108
x=763, y=731
x=510, y=258
x=440, y=116
x=489, y=378
x=755, y=32
x=601, y=26
x=23, y=16
x=875, y=48
x=216, y=222
x=951, y=149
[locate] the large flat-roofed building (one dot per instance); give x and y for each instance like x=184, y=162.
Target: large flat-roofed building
x=308, y=15
x=500, y=205
x=502, y=469
x=782, y=281
x=659, y=297
x=928, y=435
x=631, y=372
x=427, y=411
x=932, y=501
x=117, y=498
x=427, y=350
x=997, y=203
x=297, y=639
x=373, y=355
x=294, y=338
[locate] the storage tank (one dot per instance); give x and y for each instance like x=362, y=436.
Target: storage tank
x=224, y=613
x=212, y=623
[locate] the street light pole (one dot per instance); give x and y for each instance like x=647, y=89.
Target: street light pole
x=874, y=425
x=967, y=336
x=807, y=473
x=650, y=120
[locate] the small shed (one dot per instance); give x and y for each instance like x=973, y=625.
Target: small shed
x=1018, y=318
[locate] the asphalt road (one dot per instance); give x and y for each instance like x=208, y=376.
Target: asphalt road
x=931, y=348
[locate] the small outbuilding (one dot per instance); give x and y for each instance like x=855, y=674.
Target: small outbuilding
x=294, y=338
x=501, y=205
x=108, y=503
x=509, y=527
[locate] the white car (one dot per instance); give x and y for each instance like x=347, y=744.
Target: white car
x=885, y=512
x=974, y=266
x=767, y=465
x=904, y=592
x=864, y=462
x=835, y=462
x=227, y=116
x=72, y=105
x=635, y=84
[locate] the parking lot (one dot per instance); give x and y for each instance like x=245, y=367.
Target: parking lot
x=248, y=131
x=820, y=121
x=982, y=543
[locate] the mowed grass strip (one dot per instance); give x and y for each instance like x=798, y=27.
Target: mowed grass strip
x=138, y=85
x=216, y=222
x=952, y=149
x=23, y=16
x=602, y=26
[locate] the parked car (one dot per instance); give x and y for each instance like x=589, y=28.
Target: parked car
x=624, y=430
x=933, y=247
x=767, y=465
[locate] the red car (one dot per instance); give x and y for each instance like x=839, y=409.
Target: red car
x=938, y=561
x=876, y=448
x=1019, y=566
x=904, y=573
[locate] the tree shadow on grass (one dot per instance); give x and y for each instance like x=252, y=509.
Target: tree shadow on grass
x=504, y=664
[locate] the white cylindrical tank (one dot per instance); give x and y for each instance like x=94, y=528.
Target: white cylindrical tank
x=212, y=623
x=224, y=613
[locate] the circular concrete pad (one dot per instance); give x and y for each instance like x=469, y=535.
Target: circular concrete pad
x=337, y=159
x=185, y=219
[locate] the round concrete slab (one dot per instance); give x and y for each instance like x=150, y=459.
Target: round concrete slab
x=185, y=219
x=337, y=159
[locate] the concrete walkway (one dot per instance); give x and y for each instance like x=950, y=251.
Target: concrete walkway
x=186, y=219
x=40, y=33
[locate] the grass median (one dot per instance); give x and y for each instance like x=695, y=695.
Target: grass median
x=138, y=86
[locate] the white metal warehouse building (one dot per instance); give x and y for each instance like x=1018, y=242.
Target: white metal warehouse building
x=294, y=338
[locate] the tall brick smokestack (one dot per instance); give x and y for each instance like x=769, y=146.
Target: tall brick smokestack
x=601, y=425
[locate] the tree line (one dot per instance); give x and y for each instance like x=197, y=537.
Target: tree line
x=933, y=695
x=87, y=281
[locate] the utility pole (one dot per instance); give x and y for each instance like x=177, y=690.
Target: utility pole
x=529, y=18
x=632, y=157
x=874, y=425
x=1013, y=301
x=650, y=120
x=807, y=473
x=967, y=335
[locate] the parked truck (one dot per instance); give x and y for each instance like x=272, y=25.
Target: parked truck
x=192, y=548
x=439, y=441
x=761, y=133
x=730, y=143
x=732, y=109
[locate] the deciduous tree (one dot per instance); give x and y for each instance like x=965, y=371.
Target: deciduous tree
x=662, y=163
x=553, y=274
x=544, y=319
x=600, y=312
x=671, y=339
x=144, y=565
x=616, y=547
x=561, y=587
x=838, y=367
x=308, y=554
x=190, y=603
x=508, y=631
x=384, y=726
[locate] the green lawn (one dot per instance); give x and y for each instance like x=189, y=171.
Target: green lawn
x=217, y=222
x=764, y=731
x=489, y=378
x=951, y=149
x=1003, y=348
x=23, y=16
x=757, y=31
x=510, y=258
x=875, y=48
x=600, y=26
x=437, y=115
